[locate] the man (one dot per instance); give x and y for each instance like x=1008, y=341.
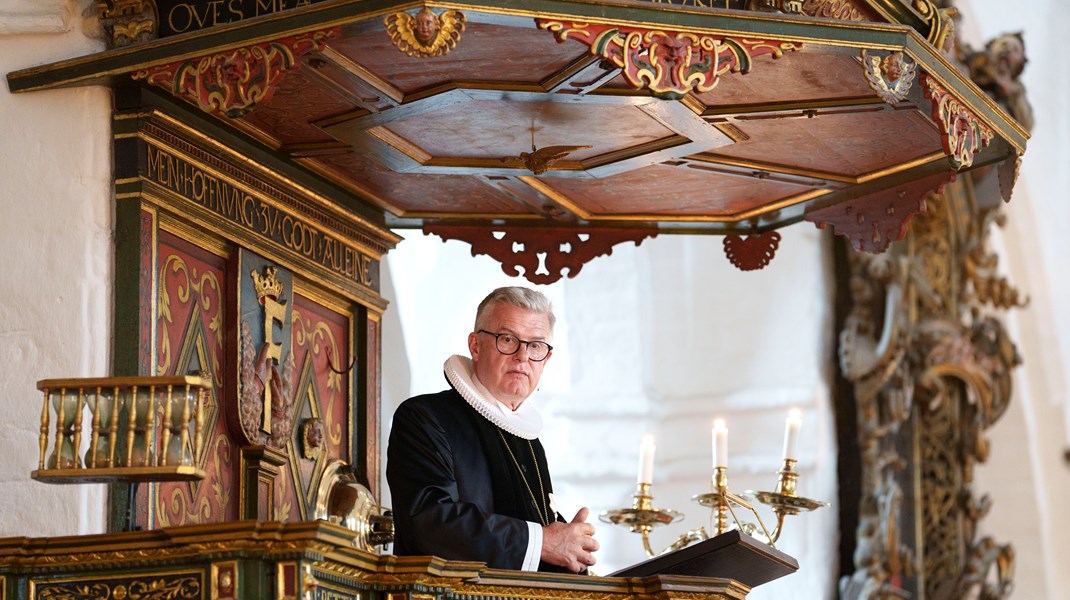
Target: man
x=465, y=467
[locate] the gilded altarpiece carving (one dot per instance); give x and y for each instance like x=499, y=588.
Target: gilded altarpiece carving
x=930, y=363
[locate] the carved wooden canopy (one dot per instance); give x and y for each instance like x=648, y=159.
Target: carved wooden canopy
x=556, y=118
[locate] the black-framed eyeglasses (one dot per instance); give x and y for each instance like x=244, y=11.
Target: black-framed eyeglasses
x=509, y=344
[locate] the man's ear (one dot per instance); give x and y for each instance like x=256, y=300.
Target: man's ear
x=473, y=344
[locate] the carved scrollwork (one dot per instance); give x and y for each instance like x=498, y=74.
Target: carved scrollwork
x=962, y=133
x=542, y=254
x=669, y=63
x=833, y=9
x=154, y=588
x=234, y=82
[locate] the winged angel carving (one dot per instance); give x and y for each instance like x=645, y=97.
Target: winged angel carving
x=540, y=160
x=425, y=34
x=891, y=76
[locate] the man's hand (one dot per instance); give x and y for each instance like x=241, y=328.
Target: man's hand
x=570, y=545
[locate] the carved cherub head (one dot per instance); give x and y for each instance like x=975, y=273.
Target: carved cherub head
x=426, y=26
x=312, y=438
x=892, y=66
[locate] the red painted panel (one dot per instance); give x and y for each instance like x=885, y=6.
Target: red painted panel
x=191, y=304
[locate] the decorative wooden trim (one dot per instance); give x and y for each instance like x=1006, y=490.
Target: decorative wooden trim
x=961, y=132
x=878, y=219
x=752, y=252
x=545, y=252
x=667, y=62
x=232, y=83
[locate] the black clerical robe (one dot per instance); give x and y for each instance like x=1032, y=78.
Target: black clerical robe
x=457, y=492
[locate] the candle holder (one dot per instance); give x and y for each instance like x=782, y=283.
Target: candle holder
x=642, y=518
x=783, y=500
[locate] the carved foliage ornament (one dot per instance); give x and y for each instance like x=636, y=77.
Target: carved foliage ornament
x=128, y=21
x=542, y=253
x=668, y=63
x=425, y=34
x=962, y=133
x=234, y=82
x=891, y=76
x=162, y=588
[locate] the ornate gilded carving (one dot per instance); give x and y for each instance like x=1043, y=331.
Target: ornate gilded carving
x=928, y=364
x=425, y=34
x=785, y=6
x=941, y=23
x=833, y=9
x=162, y=588
x=962, y=133
x=891, y=77
x=545, y=254
x=878, y=219
x=668, y=63
x=752, y=252
x=234, y=82
x=128, y=21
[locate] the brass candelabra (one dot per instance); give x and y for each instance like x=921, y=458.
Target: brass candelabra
x=642, y=518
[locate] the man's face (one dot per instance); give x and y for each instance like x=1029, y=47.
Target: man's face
x=510, y=378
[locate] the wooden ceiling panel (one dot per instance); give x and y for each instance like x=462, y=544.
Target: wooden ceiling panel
x=485, y=52
x=849, y=144
x=664, y=191
x=407, y=193
x=492, y=129
x=297, y=102
x=794, y=77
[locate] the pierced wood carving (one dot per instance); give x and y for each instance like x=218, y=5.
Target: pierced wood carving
x=234, y=82
x=962, y=133
x=878, y=219
x=425, y=34
x=668, y=63
x=752, y=252
x=542, y=255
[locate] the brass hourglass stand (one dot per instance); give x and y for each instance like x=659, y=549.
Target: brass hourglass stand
x=642, y=517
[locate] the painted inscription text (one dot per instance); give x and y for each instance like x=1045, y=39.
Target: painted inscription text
x=253, y=214
x=179, y=17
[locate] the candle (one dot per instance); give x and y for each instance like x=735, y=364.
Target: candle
x=791, y=432
x=720, y=444
x=646, y=459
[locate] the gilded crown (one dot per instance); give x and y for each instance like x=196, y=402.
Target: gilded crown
x=267, y=284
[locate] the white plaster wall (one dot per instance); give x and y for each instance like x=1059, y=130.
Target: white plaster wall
x=56, y=249
x=661, y=338
x=1026, y=475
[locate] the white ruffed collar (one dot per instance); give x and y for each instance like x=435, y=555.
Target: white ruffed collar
x=524, y=422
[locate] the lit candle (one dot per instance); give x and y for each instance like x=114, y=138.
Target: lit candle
x=791, y=432
x=720, y=444
x=646, y=459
